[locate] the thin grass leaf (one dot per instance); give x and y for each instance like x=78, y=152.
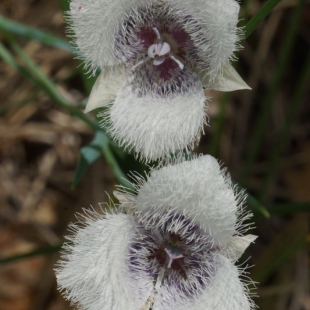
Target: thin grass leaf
x=33, y=73
x=263, y=117
x=295, y=104
x=255, y=205
x=259, y=17
x=50, y=88
x=34, y=34
x=41, y=251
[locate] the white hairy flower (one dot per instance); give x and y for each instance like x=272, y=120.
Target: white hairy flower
x=173, y=249
x=156, y=58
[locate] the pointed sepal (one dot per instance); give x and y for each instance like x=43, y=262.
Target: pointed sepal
x=227, y=80
x=104, y=90
x=236, y=247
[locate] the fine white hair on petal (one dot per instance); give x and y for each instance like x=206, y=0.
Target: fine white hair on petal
x=94, y=25
x=156, y=126
x=212, y=27
x=93, y=270
x=198, y=189
x=227, y=291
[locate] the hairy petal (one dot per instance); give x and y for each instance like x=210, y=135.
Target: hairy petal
x=198, y=189
x=93, y=271
x=226, y=292
x=212, y=27
x=156, y=126
x=94, y=25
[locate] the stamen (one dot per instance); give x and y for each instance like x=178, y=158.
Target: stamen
x=172, y=254
x=140, y=63
x=181, y=66
x=157, y=33
x=159, y=52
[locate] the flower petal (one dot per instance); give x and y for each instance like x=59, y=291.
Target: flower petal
x=107, y=84
x=198, y=189
x=93, y=272
x=95, y=24
x=227, y=80
x=226, y=291
x=156, y=126
x=212, y=25
x=236, y=247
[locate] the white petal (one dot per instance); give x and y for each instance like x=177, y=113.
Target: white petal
x=158, y=60
x=104, y=90
x=93, y=272
x=151, y=51
x=225, y=292
x=227, y=80
x=155, y=127
x=165, y=49
x=200, y=190
x=212, y=27
x=95, y=25
x=236, y=247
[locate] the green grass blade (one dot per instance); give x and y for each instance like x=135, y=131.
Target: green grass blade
x=50, y=88
x=41, y=251
x=259, y=17
x=34, y=34
x=301, y=88
x=34, y=73
x=262, y=120
x=255, y=205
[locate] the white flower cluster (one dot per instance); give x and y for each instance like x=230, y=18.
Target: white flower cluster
x=171, y=244
x=156, y=59
x=173, y=249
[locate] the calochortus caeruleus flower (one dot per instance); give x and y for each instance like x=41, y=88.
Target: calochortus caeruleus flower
x=156, y=57
x=170, y=246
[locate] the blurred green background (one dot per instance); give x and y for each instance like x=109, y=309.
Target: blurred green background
x=55, y=160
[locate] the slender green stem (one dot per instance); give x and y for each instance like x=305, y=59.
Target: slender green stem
x=301, y=88
x=34, y=34
x=257, y=206
x=35, y=75
x=259, y=16
x=48, y=86
x=41, y=251
x=119, y=174
x=262, y=120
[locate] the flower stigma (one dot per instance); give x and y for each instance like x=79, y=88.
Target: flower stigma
x=159, y=51
x=173, y=253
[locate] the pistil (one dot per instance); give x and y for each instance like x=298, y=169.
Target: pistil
x=173, y=253
x=159, y=51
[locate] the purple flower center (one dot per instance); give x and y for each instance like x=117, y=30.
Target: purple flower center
x=158, y=52
x=175, y=251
